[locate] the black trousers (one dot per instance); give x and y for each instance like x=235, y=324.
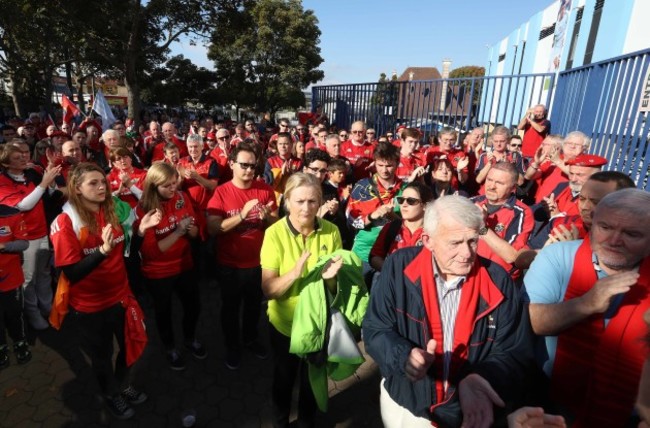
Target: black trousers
x=186, y=287
x=286, y=367
x=240, y=287
x=11, y=315
x=96, y=332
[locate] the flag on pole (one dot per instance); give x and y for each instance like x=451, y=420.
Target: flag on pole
x=70, y=110
x=102, y=108
x=50, y=122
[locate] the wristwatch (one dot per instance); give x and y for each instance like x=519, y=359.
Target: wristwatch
x=483, y=231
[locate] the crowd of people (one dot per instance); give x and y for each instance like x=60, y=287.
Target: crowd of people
x=493, y=277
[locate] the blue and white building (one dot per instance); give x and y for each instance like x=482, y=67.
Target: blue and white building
x=583, y=32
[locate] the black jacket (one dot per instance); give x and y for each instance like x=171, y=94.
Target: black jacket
x=500, y=345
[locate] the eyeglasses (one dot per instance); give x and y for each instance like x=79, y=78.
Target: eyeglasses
x=410, y=201
x=356, y=132
x=245, y=165
x=315, y=170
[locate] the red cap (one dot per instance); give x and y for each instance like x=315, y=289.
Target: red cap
x=211, y=136
x=399, y=128
x=587, y=160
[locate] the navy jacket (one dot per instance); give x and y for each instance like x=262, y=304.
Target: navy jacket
x=500, y=345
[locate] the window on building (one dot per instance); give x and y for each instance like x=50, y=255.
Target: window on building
x=574, y=37
x=547, y=31
x=593, y=31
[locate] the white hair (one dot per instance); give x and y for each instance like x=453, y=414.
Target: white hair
x=586, y=141
x=110, y=131
x=631, y=200
x=453, y=206
x=194, y=138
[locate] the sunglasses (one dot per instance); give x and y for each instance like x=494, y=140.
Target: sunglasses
x=245, y=165
x=410, y=201
x=343, y=135
x=222, y=138
x=515, y=145
x=312, y=169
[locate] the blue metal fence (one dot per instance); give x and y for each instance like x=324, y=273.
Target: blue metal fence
x=602, y=100
x=463, y=103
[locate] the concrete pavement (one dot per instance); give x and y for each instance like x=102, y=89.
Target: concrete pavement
x=58, y=389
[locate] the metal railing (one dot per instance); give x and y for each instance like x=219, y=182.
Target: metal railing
x=602, y=100
x=463, y=103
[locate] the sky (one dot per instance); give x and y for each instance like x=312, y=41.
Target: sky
x=363, y=38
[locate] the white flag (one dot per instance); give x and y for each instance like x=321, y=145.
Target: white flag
x=102, y=108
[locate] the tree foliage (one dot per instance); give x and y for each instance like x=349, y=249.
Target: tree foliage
x=29, y=54
x=467, y=71
x=265, y=53
x=178, y=82
x=126, y=39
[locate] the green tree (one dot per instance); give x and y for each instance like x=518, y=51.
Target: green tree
x=178, y=82
x=29, y=54
x=265, y=53
x=136, y=39
x=469, y=71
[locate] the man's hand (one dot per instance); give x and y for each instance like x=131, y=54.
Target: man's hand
x=562, y=234
x=550, y=205
x=598, y=299
x=248, y=206
x=265, y=211
x=419, y=361
x=534, y=417
x=477, y=399
x=383, y=210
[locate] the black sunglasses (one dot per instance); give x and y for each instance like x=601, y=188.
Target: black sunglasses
x=410, y=201
x=245, y=165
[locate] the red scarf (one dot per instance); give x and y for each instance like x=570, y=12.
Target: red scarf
x=596, y=369
x=478, y=284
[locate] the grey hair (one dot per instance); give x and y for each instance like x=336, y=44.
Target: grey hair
x=110, y=131
x=332, y=137
x=557, y=140
x=501, y=130
x=586, y=141
x=632, y=200
x=194, y=138
x=454, y=207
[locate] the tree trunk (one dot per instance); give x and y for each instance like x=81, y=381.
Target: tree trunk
x=17, y=97
x=80, y=93
x=133, y=89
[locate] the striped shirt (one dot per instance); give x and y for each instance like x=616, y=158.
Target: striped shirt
x=448, y=301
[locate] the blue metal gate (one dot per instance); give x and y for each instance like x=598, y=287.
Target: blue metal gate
x=463, y=103
x=602, y=100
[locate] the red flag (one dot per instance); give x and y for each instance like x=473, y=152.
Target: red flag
x=70, y=109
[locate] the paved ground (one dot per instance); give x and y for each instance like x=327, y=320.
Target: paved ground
x=57, y=388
